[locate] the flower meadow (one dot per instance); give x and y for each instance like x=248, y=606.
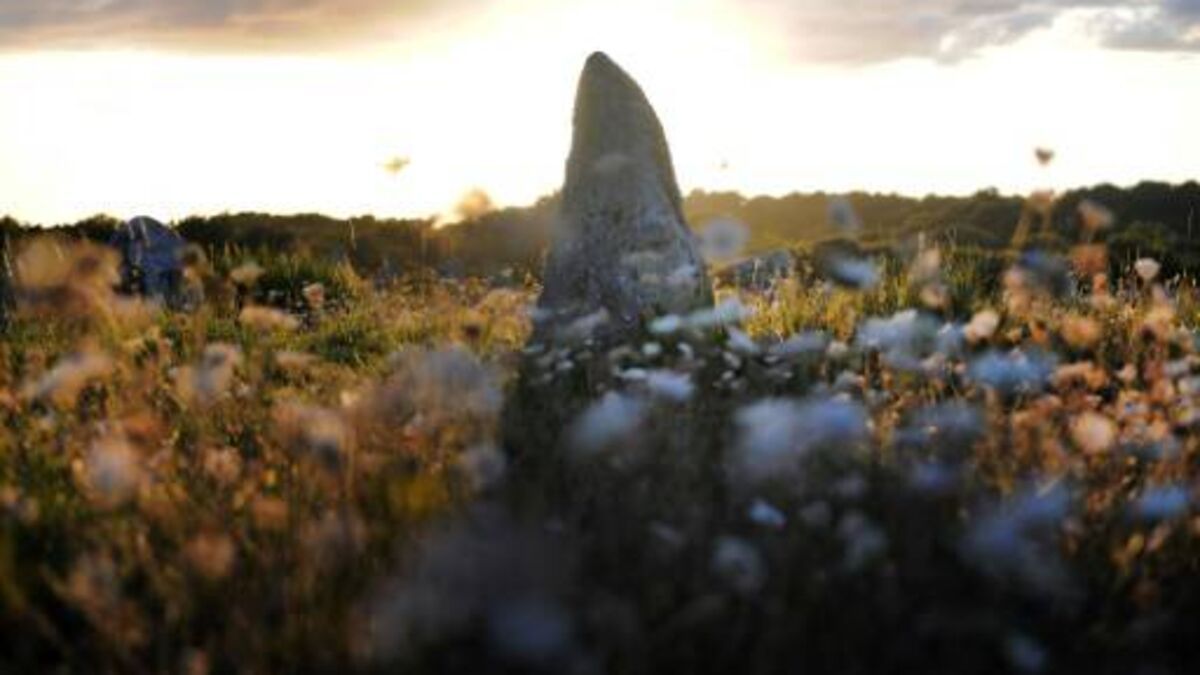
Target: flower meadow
x=919, y=459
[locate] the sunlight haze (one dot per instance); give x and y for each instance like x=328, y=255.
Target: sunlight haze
x=177, y=112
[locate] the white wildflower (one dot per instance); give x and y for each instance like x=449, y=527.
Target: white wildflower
x=1162, y=503
x=722, y=239
x=811, y=343
x=267, y=319
x=212, y=377
x=853, y=272
x=863, y=540
x=903, y=338
x=817, y=515
x=1093, y=433
x=670, y=385
x=1147, y=269
x=585, y=326
x=69, y=376
x=1015, y=372
x=739, y=564
x=837, y=350
x=633, y=374
x=247, y=274
x=729, y=312
x=113, y=470
x=764, y=514
x=530, y=630
x=775, y=435
x=684, y=275
x=982, y=326
x=1015, y=538
x=606, y=423
x=667, y=324
x=933, y=478
x=317, y=433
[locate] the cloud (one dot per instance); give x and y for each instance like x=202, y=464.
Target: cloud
x=822, y=31
x=209, y=24
x=1171, y=25
x=868, y=31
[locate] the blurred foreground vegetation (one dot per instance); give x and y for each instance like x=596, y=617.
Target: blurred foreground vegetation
x=971, y=459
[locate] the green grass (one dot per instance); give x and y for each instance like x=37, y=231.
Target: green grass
x=328, y=496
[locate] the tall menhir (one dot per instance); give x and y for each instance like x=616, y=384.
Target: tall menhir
x=621, y=252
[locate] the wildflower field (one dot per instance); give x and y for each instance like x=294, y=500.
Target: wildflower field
x=920, y=459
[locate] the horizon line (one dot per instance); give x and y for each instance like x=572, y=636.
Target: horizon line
x=435, y=218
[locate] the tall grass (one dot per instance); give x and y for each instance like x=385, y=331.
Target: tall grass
x=959, y=468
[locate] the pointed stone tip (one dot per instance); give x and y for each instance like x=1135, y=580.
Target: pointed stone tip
x=600, y=64
x=614, y=117
x=596, y=59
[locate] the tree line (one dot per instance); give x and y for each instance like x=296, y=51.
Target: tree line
x=1149, y=219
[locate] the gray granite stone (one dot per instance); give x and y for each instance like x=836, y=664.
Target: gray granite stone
x=151, y=261
x=621, y=252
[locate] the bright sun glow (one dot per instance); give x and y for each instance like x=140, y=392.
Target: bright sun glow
x=488, y=104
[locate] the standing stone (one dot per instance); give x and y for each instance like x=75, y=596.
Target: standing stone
x=151, y=257
x=621, y=251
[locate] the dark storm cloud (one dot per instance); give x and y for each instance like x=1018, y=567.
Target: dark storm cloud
x=864, y=31
x=207, y=24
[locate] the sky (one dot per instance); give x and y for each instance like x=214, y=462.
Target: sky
x=178, y=107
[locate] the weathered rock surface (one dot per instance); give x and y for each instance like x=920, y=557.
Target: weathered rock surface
x=622, y=252
x=151, y=256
